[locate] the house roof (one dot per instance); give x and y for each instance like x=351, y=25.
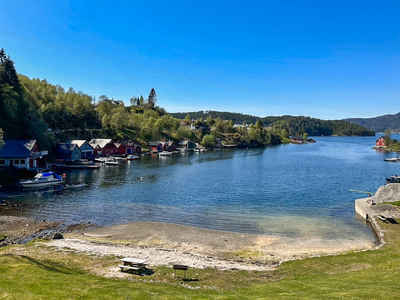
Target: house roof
x=66, y=148
x=154, y=143
x=79, y=142
x=17, y=148
x=100, y=142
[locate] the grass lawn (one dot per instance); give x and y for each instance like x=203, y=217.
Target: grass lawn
x=35, y=271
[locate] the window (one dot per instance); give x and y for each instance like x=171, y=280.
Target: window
x=2, y=162
x=22, y=161
x=16, y=161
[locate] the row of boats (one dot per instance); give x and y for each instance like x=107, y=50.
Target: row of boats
x=49, y=179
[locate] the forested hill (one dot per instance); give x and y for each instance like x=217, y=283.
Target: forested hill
x=379, y=124
x=294, y=125
x=237, y=118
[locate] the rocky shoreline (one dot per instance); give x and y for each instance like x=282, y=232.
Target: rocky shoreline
x=167, y=244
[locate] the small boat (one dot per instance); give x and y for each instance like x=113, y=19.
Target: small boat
x=42, y=180
x=112, y=163
x=165, y=153
x=393, y=179
x=74, y=186
x=132, y=157
x=393, y=159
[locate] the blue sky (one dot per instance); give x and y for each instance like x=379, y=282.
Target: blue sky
x=324, y=59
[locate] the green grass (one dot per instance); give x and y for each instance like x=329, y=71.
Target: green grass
x=35, y=271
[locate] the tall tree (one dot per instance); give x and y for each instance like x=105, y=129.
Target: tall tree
x=152, y=99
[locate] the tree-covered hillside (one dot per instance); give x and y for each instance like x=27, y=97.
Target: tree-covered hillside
x=379, y=124
x=294, y=125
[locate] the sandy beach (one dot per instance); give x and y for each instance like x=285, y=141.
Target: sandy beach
x=167, y=244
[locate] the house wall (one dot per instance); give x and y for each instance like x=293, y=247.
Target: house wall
x=121, y=150
x=380, y=142
x=109, y=149
x=76, y=154
x=87, y=151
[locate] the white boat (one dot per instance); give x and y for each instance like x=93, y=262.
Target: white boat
x=42, y=180
x=393, y=159
x=112, y=163
x=74, y=186
x=165, y=153
x=132, y=157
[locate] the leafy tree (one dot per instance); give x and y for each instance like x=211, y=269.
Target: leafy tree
x=187, y=118
x=208, y=141
x=184, y=132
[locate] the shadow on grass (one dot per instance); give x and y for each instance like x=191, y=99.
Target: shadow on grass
x=50, y=266
x=190, y=279
x=146, y=272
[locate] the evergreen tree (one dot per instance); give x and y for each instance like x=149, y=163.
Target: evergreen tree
x=152, y=99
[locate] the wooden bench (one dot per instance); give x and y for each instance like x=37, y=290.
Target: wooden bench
x=180, y=267
x=128, y=268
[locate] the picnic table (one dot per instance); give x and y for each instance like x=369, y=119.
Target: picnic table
x=134, y=264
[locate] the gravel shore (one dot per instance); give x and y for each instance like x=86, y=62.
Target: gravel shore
x=167, y=244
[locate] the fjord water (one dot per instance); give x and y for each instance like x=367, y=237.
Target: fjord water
x=287, y=190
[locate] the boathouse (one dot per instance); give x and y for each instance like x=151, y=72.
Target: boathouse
x=67, y=152
x=187, y=144
x=23, y=154
x=168, y=146
x=127, y=147
x=155, y=146
x=380, y=143
x=103, y=146
x=86, y=149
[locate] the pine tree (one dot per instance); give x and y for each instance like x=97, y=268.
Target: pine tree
x=152, y=99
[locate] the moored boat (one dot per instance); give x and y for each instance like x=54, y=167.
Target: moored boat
x=393, y=179
x=165, y=153
x=132, y=157
x=392, y=159
x=42, y=180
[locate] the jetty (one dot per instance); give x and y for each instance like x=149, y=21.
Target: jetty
x=372, y=208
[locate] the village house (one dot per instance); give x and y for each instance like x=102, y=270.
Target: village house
x=187, y=145
x=297, y=139
x=67, y=152
x=380, y=143
x=23, y=154
x=103, y=146
x=168, y=146
x=86, y=149
x=199, y=127
x=127, y=147
x=155, y=146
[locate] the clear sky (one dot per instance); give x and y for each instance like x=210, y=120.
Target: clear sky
x=324, y=59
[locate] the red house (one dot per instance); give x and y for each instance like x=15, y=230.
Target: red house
x=103, y=146
x=155, y=146
x=127, y=147
x=380, y=143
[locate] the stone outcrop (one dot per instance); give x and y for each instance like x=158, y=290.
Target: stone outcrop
x=387, y=193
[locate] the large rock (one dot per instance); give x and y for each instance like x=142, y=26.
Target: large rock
x=387, y=193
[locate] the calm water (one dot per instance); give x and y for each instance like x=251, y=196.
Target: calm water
x=287, y=190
